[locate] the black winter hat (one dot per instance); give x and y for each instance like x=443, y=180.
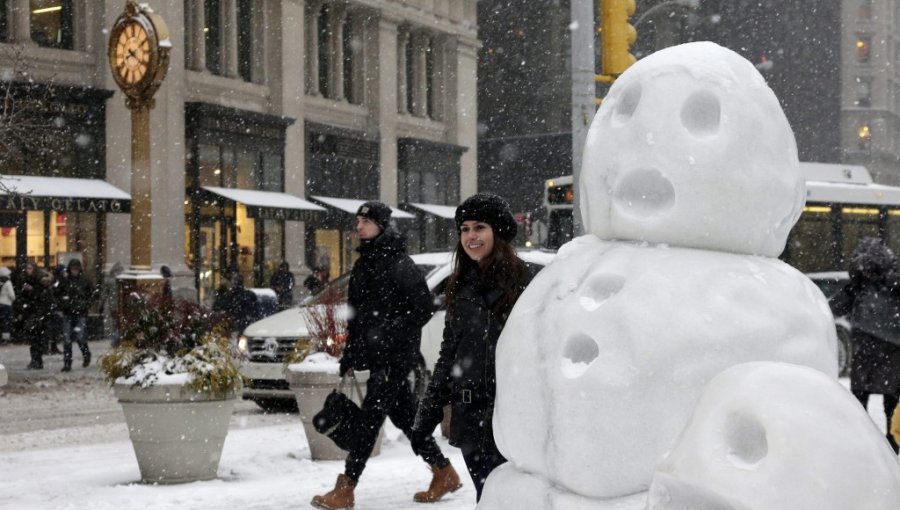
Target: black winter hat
x=376, y=211
x=491, y=209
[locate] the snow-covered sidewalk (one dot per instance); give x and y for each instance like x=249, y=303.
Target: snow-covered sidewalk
x=261, y=468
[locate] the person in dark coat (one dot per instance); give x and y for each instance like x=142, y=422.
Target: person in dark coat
x=75, y=298
x=167, y=275
x=282, y=282
x=872, y=299
x=390, y=303
x=243, y=306
x=487, y=279
x=32, y=308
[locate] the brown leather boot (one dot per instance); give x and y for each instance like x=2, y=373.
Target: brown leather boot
x=339, y=498
x=443, y=481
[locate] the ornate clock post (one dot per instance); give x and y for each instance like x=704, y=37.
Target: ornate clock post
x=139, y=58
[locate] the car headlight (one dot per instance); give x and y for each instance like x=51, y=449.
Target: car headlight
x=244, y=345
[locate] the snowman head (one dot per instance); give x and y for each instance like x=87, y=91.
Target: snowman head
x=691, y=148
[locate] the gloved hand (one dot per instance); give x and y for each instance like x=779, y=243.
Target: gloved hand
x=345, y=365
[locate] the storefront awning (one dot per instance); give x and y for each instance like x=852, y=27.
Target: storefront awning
x=61, y=194
x=441, y=211
x=351, y=205
x=270, y=205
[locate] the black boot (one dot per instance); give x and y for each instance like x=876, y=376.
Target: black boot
x=67, y=366
x=87, y=360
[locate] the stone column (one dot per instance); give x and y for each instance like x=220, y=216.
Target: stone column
x=196, y=36
x=313, y=9
x=21, y=21
x=385, y=101
x=402, y=40
x=229, y=37
x=288, y=90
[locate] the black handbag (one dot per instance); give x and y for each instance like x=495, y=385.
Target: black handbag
x=340, y=416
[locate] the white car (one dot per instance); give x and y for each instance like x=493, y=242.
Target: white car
x=267, y=341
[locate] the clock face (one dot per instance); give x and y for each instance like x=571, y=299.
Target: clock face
x=131, y=60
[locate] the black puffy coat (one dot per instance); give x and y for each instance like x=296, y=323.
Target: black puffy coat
x=75, y=295
x=464, y=375
x=872, y=301
x=389, y=302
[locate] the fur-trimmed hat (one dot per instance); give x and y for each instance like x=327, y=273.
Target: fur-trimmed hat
x=491, y=209
x=376, y=211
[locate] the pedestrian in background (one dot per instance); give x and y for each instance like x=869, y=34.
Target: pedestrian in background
x=167, y=281
x=75, y=299
x=872, y=300
x=31, y=308
x=390, y=303
x=7, y=298
x=54, y=326
x=109, y=304
x=282, y=282
x=487, y=279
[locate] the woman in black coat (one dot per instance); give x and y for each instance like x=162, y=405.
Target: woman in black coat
x=871, y=299
x=487, y=280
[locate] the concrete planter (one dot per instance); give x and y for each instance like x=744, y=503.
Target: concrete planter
x=311, y=389
x=177, y=433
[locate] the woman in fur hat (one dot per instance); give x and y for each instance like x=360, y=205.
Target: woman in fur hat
x=487, y=279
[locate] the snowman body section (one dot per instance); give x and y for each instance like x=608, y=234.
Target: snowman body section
x=599, y=370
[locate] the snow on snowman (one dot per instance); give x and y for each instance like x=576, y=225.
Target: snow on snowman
x=668, y=359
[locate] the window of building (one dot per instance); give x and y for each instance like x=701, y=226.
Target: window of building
x=351, y=47
x=52, y=23
x=213, y=38
x=429, y=78
x=863, y=49
x=863, y=91
x=323, y=50
x=864, y=12
x=864, y=137
x=410, y=75
x=245, y=39
x=4, y=21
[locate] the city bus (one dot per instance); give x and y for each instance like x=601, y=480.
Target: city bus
x=843, y=205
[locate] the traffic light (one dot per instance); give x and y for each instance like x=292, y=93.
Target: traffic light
x=616, y=35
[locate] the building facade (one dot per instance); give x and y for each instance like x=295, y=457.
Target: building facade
x=275, y=119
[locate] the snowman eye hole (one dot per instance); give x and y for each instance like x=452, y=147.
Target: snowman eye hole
x=701, y=114
x=745, y=440
x=626, y=105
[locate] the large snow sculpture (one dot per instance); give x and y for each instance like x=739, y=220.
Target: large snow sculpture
x=689, y=186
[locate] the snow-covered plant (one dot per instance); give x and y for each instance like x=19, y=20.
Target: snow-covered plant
x=163, y=338
x=326, y=326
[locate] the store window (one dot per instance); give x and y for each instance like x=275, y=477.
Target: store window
x=52, y=23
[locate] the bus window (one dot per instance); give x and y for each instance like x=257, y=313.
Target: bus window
x=811, y=244
x=857, y=222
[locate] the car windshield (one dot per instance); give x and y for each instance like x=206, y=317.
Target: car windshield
x=341, y=284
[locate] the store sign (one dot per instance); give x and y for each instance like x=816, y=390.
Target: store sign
x=271, y=213
x=62, y=205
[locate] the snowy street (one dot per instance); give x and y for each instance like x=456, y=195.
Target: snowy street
x=64, y=445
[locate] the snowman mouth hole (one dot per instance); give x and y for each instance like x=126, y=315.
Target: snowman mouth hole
x=578, y=354
x=644, y=193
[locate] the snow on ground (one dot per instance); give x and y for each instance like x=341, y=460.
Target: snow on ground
x=64, y=446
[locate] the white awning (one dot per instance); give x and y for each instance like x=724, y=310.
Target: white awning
x=61, y=194
x=441, y=211
x=269, y=204
x=351, y=205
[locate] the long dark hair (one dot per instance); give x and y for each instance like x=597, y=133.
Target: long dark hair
x=502, y=269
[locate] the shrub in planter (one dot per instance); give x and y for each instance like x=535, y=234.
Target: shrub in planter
x=175, y=376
